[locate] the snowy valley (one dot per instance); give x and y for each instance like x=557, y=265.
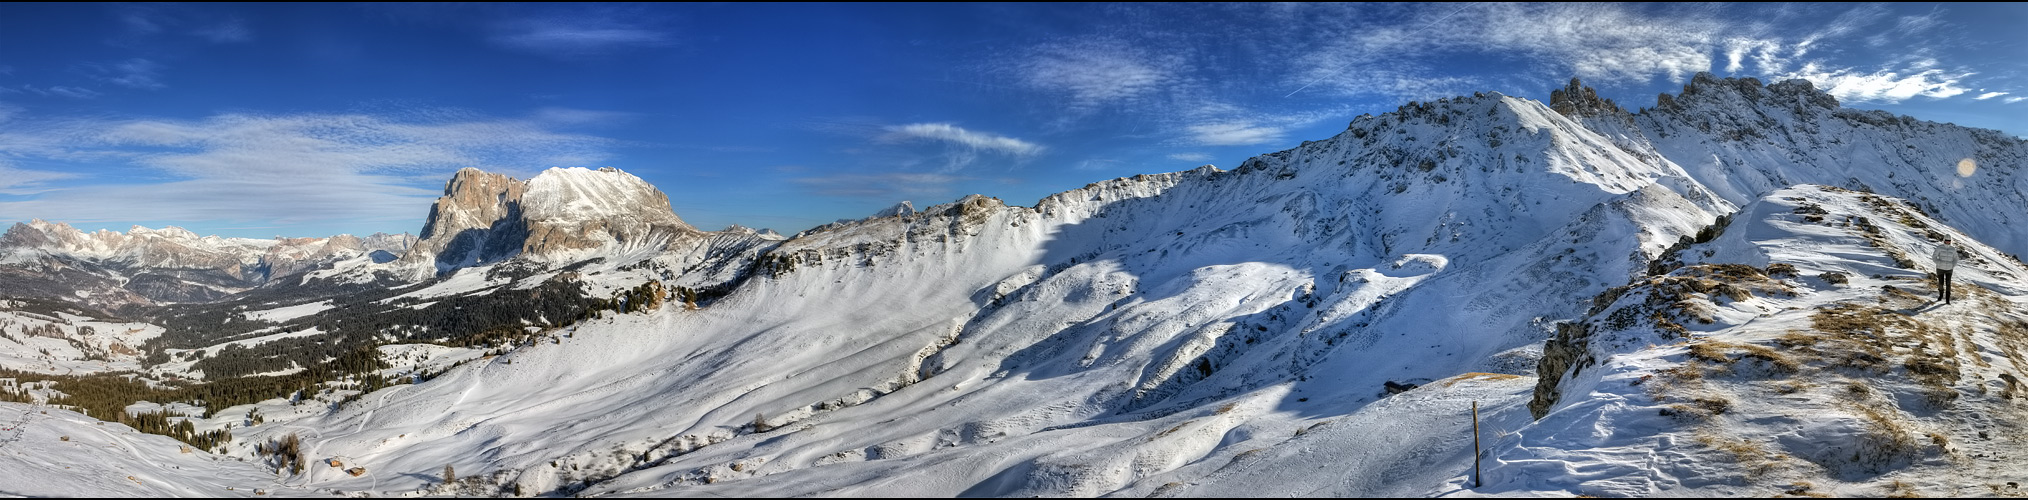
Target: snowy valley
x=1727, y=294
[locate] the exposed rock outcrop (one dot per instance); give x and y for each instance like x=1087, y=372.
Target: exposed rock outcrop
x=559, y=214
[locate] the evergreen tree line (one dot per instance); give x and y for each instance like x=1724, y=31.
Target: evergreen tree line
x=106, y=396
x=351, y=334
x=461, y=321
x=157, y=422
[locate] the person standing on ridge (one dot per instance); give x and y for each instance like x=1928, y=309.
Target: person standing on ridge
x=1946, y=260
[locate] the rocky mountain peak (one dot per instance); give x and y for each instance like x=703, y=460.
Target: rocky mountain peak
x=1578, y=101
x=1706, y=89
x=486, y=217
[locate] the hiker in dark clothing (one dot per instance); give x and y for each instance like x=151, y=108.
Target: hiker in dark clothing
x=1946, y=260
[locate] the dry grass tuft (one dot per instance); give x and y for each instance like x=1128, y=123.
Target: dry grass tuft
x=1780, y=271
x=1727, y=354
x=1479, y=375
x=1752, y=456
x=1888, y=443
x=1900, y=489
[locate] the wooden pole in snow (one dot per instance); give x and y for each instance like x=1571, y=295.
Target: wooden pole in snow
x=1476, y=480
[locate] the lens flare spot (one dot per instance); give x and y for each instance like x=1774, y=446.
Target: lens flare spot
x=1966, y=167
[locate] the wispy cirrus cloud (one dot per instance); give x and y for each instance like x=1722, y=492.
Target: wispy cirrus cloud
x=1097, y=72
x=1235, y=134
x=143, y=22
x=577, y=34
x=1637, y=43
x=1851, y=85
x=133, y=73
x=15, y=181
x=1989, y=95
x=956, y=135
x=286, y=169
x=1191, y=157
x=63, y=91
x=962, y=147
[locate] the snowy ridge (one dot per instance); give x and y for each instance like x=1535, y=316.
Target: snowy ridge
x=1318, y=322
x=1743, y=139
x=1819, y=362
x=1040, y=314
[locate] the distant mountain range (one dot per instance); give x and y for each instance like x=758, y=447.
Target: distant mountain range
x=1724, y=294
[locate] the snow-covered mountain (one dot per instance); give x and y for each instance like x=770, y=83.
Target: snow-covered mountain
x=562, y=214
x=1676, y=301
x=146, y=266
x=1743, y=140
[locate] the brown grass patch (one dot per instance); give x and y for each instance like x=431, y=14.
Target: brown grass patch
x=1727, y=354
x=1750, y=455
x=1479, y=375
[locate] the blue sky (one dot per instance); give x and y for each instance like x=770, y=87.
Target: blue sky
x=259, y=120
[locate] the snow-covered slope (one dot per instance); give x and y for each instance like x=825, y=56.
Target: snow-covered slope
x=1301, y=283
x=1318, y=321
x=1743, y=140
x=44, y=336
x=1801, y=352
x=51, y=452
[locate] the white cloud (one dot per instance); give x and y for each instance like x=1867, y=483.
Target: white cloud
x=1097, y=72
x=1603, y=41
x=1850, y=85
x=2012, y=100
x=955, y=135
x=285, y=169
x=1234, y=134
x=71, y=92
x=134, y=73
x=1739, y=50
x=14, y=181
x=570, y=36
x=570, y=116
x=1191, y=157
x=1989, y=95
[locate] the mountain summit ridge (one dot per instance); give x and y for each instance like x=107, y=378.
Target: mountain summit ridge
x=1350, y=301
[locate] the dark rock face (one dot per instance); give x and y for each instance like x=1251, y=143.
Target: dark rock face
x=477, y=220
x=1578, y=101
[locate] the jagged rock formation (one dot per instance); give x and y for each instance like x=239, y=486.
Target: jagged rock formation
x=1578, y=101
x=1743, y=139
x=557, y=215
x=478, y=219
